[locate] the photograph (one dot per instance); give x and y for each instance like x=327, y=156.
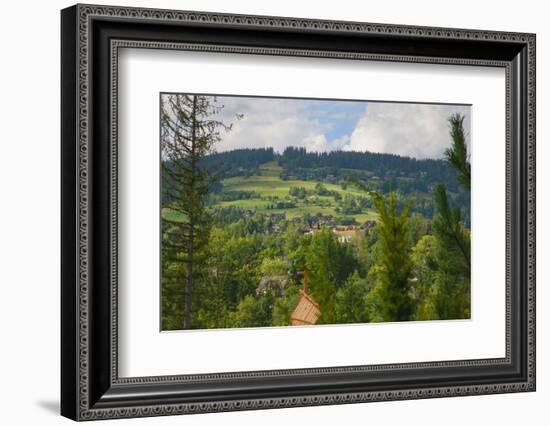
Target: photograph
x=305, y=212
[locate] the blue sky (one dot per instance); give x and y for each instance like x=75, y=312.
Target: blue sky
x=339, y=118
x=415, y=130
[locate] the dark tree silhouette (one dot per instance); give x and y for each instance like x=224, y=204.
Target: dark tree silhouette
x=451, y=295
x=189, y=131
x=457, y=154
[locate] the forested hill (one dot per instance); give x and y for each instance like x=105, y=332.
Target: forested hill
x=239, y=162
x=392, y=171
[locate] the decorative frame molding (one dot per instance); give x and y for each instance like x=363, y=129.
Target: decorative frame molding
x=91, y=37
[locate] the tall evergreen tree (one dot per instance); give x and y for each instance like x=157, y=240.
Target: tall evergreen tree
x=451, y=233
x=450, y=295
x=189, y=131
x=391, y=299
x=450, y=298
x=329, y=263
x=457, y=154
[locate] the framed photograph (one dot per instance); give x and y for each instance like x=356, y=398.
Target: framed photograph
x=263, y=212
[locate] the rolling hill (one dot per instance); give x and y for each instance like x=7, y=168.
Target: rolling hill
x=297, y=183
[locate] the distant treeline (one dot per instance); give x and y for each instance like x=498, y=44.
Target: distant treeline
x=239, y=162
x=382, y=166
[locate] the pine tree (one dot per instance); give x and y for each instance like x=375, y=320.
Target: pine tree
x=457, y=154
x=329, y=263
x=452, y=236
x=391, y=299
x=450, y=298
x=450, y=295
x=189, y=131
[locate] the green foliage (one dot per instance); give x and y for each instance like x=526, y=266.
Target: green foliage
x=346, y=220
x=350, y=301
x=253, y=311
x=457, y=154
x=173, y=287
x=450, y=294
x=367, y=252
x=298, y=191
x=350, y=205
x=424, y=273
x=453, y=237
x=188, y=133
x=273, y=266
x=391, y=298
x=419, y=227
x=398, y=172
x=329, y=263
x=235, y=261
x=237, y=162
x=321, y=189
x=284, y=306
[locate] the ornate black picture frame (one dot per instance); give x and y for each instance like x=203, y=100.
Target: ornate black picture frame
x=91, y=36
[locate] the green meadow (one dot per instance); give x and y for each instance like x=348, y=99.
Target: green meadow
x=269, y=184
x=268, y=188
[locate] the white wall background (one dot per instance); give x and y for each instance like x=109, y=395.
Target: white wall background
x=29, y=213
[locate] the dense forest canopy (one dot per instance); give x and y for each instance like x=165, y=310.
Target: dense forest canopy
x=294, y=160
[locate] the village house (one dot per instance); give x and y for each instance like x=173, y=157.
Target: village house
x=345, y=239
x=346, y=234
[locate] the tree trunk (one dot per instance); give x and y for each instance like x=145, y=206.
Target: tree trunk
x=189, y=281
x=191, y=225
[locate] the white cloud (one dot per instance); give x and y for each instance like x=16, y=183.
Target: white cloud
x=276, y=123
x=415, y=130
x=341, y=142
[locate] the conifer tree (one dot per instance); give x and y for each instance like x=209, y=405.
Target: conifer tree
x=189, y=131
x=391, y=299
x=457, y=154
x=453, y=237
x=329, y=263
x=450, y=296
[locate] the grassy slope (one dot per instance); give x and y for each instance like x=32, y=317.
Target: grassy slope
x=269, y=184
